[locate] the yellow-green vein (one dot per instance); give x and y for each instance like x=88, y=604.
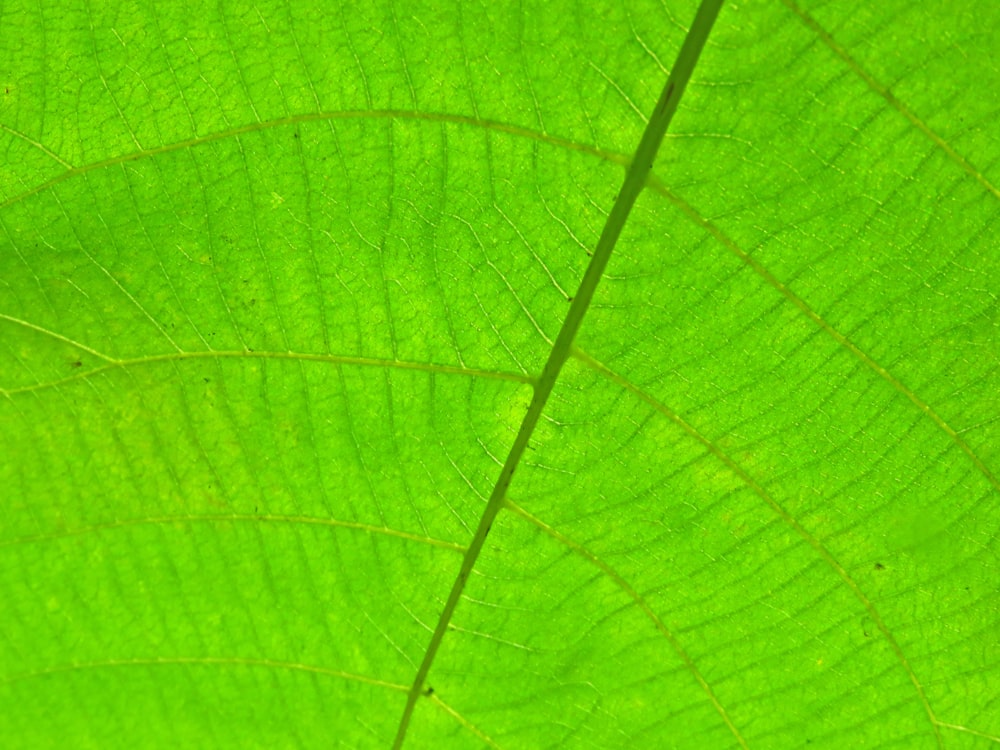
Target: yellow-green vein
x=692, y=213
x=783, y=514
x=232, y=518
x=641, y=602
x=292, y=120
x=890, y=98
x=200, y=661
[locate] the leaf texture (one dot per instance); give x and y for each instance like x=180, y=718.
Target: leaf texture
x=277, y=286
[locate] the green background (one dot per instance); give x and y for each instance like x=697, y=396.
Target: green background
x=275, y=280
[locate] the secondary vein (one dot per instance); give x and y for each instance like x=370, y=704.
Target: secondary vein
x=635, y=179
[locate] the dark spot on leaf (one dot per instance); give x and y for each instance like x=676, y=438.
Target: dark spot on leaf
x=429, y=692
x=295, y=134
x=879, y=566
x=77, y=363
x=206, y=380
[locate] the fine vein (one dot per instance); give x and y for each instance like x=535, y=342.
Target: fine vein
x=635, y=179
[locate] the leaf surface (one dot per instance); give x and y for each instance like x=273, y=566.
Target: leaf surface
x=277, y=283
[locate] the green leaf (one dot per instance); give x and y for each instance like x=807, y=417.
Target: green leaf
x=279, y=283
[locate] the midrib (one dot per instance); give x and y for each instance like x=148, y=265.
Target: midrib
x=635, y=180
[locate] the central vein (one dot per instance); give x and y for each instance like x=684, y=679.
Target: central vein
x=635, y=180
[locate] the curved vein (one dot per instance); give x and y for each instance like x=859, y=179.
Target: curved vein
x=692, y=213
x=57, y=336
x=243, y=662
x=236, y=518
x=783, y=514
x=967, y=730
x=293, y=120
x=112, y=364
x=202, y=660
x=37, y=145
x=641, y=602
x=463, y=721
x=893, y=102
x=635, y=180
x=654, y=183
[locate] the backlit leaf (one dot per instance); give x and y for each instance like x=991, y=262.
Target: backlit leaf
x=278, y=282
